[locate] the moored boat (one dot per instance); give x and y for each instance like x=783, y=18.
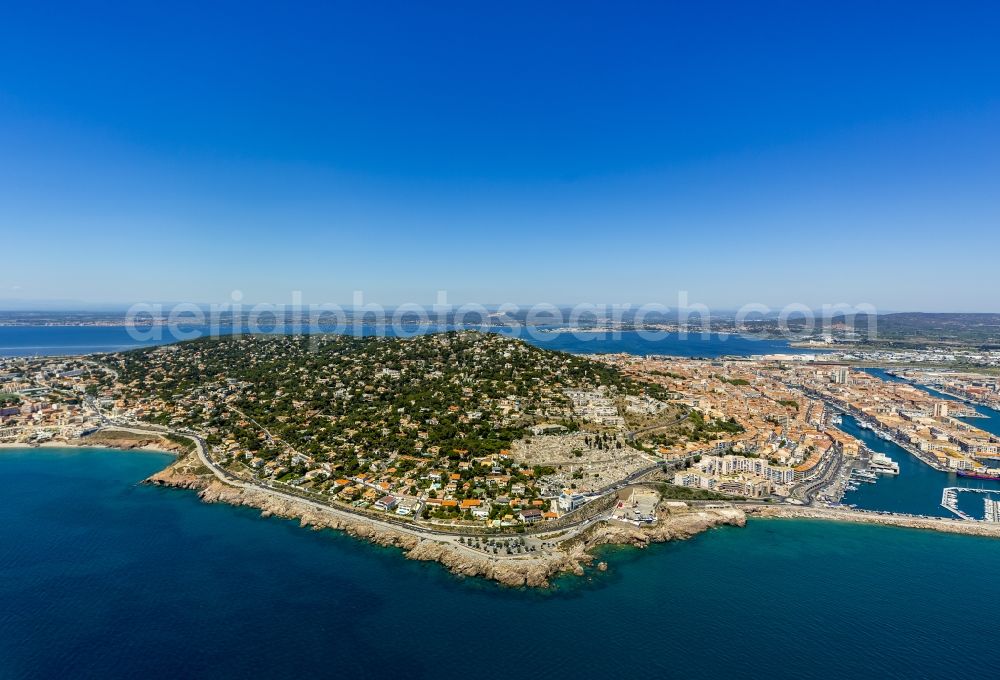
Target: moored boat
x=992, y=473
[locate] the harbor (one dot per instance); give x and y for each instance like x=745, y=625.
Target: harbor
x=916, y=488
x=866, y=471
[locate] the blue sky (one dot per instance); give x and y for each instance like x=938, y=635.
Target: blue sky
x=602, y=152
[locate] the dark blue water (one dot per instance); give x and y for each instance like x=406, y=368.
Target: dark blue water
x=101, y=578
x=65, y=340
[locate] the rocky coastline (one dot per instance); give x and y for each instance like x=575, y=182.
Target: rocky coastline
x=130, y=441
x=534, y=570
x=569, y=552
x=108, y=439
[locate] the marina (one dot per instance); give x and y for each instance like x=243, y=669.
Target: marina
x=991, y=510
x=134, y=543
x=991, y=507
x=864, y=476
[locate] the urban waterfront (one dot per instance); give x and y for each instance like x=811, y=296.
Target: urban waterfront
x=105, y=578
x=918, y=487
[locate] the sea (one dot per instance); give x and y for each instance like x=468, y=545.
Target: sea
x=102, y=577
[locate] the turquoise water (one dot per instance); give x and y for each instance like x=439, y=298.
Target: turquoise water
x=102, y=578
x=65, y=340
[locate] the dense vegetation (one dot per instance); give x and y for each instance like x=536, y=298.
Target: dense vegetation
x=9, y=399
x=347, y=399
x=700, y=429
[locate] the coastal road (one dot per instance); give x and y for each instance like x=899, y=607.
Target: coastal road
x=385, y=524
x=830, y=467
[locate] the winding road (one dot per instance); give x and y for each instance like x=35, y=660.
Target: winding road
x=387, y=524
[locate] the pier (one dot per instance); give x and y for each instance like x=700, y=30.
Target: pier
x=991, y=510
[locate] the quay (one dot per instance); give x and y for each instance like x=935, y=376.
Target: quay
x=953, y=525
x=866, y=424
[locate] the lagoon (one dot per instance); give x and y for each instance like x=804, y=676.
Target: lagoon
x=68, y=340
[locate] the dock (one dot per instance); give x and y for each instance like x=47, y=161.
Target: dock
x=991, y=510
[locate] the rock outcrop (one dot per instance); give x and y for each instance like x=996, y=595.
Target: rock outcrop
x=187, y=472
x=670, y=526
x=127, y=441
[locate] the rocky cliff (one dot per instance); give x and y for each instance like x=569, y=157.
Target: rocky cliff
x=128, y=441
x=534, y=569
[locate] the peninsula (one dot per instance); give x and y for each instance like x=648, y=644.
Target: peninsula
x=485, y=453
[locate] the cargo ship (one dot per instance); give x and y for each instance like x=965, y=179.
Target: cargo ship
x=990, y=473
